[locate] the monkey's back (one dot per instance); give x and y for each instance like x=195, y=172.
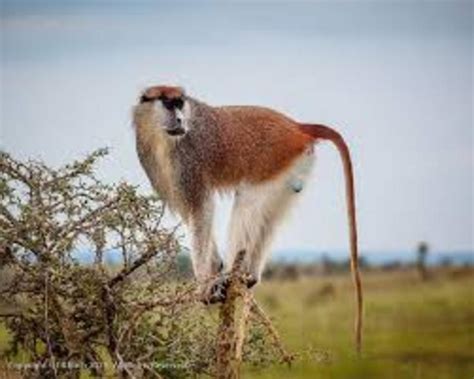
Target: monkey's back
x=254, y=144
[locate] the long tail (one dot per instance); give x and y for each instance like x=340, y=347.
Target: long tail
x=326, y=133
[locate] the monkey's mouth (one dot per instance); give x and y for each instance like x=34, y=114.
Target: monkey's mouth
x=176, y=131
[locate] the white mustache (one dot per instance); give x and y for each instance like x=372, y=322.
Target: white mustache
x=180, y=116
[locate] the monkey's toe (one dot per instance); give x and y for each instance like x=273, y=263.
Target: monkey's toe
x=217, y=292
x=250, y=282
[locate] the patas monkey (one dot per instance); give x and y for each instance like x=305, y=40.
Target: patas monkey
x=191, y=150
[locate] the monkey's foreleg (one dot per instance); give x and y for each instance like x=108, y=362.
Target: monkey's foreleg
x=204, y=255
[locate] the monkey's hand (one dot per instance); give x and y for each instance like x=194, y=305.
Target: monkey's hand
x=216, y=290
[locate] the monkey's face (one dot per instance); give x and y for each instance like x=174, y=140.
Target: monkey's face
x=165, y=108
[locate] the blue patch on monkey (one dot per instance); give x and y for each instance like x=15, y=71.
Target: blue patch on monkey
x=296, y=185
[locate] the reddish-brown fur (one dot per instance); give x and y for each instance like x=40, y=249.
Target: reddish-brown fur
x=256, y=144
x=169, y=92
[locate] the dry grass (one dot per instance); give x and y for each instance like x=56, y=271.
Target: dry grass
x=413, y=329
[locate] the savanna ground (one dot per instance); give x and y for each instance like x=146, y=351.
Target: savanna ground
x=413, y=328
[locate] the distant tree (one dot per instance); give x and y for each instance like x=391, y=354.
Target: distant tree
x=328, y=265
x=446, y=261
x=271, y=271
x=134, y=319
x=290, y=272
x=363, y=262
x=392, y=265
x=422, y=253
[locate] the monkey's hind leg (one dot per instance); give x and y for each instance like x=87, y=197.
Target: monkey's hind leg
x=257, y=210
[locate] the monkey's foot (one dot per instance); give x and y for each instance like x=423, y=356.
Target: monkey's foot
x=216, y=291
x=250, y=281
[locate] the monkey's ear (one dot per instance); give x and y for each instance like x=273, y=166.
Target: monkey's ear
x=182, y=91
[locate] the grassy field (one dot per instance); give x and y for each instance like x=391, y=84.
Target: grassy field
x=413, y=329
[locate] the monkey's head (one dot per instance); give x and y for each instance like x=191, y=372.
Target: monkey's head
x=165, y=107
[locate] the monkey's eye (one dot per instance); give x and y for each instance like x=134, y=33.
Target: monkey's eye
x=170, y=104
x=178, y=103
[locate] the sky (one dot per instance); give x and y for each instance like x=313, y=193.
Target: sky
x=395, y=78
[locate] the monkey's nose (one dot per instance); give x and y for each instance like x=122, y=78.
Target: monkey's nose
x=179, y=117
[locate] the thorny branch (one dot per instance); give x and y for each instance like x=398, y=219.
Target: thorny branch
x=89, y=274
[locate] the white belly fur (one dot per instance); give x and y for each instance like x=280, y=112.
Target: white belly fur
x=258, y=209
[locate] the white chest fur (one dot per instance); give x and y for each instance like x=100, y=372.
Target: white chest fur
x=154, y=150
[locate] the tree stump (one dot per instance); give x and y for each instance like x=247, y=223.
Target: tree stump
x=233, y=320
x=234, y=315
